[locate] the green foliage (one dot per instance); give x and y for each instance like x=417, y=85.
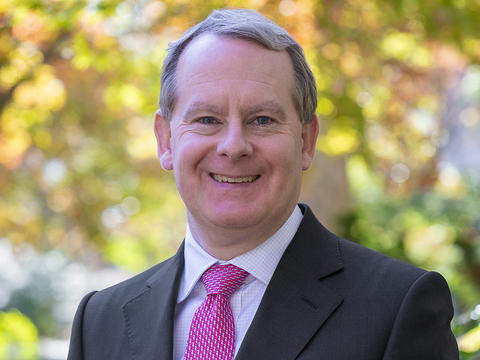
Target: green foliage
x=428, y=229
x=18, y=337
x=433, y=231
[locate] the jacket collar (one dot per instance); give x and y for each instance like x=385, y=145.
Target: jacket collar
x=296, y=303
x=149, y=315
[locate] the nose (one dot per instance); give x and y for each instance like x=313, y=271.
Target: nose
x=234, y=142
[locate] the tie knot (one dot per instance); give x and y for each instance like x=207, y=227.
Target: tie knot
x=223, y=279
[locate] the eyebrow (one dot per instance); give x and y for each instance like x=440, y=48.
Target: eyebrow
x=268, y=106
x=199, y=106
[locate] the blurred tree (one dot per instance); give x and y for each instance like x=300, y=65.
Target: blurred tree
x=18, y=337
x=79, y=82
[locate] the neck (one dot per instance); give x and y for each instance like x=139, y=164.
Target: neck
x=225, y=243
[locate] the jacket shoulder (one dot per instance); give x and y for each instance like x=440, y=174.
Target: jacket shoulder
x=363, y=260
x=122, y=292
x=101, y=326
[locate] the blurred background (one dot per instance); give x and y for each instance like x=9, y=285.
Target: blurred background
x=85, y=204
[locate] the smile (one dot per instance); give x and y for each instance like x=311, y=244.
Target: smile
x=234, y=180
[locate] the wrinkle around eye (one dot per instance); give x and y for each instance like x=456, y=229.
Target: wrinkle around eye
x=199, y=128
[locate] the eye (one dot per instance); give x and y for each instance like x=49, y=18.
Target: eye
x=207, y=120
x=263, y=120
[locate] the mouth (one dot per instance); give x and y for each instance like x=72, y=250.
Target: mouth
x=234, y=180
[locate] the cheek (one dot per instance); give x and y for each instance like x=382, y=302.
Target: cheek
x=285, y=157
x=290, y=148
x=188, y=151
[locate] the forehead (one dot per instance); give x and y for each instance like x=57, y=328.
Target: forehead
x=215, y=63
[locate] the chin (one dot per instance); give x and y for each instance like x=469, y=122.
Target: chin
x=236, y=219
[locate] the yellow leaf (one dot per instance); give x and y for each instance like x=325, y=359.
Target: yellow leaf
x=470, y=342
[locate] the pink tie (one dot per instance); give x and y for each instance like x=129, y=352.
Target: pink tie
x=212, y=332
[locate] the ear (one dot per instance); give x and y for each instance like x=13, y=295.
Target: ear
x=163, y=136
x=309, y=137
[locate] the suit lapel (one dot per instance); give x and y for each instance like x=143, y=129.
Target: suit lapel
x=296, y=303
x=149, y=315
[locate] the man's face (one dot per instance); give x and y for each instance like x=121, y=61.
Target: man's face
x=235, y=141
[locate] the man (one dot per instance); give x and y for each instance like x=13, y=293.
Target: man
x=237, y=126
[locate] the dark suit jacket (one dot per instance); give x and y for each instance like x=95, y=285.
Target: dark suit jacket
x=329, y=299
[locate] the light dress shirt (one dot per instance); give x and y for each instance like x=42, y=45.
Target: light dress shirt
x=260, y=263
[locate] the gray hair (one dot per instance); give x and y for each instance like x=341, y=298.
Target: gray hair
x=249, y=25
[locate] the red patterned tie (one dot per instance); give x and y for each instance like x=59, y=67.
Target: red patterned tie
x=212, y=332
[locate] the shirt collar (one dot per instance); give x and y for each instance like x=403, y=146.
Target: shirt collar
x=260, y=262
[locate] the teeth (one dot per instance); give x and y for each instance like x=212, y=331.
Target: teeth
x=221, y=178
